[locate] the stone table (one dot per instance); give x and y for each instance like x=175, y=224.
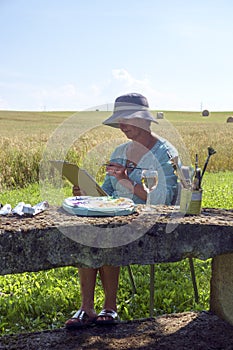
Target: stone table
x=55, y=238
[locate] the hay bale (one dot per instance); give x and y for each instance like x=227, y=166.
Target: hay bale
x=230, y=120
x=205, y=113
x=159, y=115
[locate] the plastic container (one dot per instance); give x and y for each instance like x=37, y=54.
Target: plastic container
x=190, y=201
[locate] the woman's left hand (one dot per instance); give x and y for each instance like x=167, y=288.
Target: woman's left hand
x=77, y=191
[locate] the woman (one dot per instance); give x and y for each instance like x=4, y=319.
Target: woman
x=123, y=179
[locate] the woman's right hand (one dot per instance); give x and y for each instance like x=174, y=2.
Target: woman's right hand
x=117, y=170
x=77, y=191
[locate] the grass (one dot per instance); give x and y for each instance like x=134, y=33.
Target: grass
x=44, y=300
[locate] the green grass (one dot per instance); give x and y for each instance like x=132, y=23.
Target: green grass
x=218, y=190
x=44, y=300
x=30, y=194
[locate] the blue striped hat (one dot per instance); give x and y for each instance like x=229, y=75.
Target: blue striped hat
x=132, y=105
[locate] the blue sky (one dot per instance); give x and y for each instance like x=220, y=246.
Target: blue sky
x=77, y=54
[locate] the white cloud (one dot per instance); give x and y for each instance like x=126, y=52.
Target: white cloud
x=122, y=75
x=144, y=86
x=159, y=96
x=71, y=96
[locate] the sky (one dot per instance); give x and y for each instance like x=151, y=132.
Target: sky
x=70, y=55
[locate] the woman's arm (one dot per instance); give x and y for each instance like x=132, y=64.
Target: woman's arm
x=119, y=172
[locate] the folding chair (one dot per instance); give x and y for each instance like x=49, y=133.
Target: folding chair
x=152, y=273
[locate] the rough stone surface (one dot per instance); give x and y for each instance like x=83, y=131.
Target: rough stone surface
x=221, y=301
x=55, y=238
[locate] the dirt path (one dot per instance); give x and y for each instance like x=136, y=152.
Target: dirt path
x=184, y=331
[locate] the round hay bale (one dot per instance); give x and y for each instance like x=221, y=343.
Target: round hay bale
x=230, y=119
x=159, y=115
x=205, y=113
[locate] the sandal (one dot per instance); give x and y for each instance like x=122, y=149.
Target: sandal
x=111, y=315
x=79, y=320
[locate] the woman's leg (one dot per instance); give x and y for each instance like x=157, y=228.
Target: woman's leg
x=110, y=277
x=87, y=282
x=86, y=314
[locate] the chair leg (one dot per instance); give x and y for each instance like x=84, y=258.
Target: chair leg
x=192, y=270
x=152, y=289
x=152, y=283
x=131, y=277
x=152, y=280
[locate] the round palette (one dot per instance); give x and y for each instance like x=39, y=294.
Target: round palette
x=98, y=206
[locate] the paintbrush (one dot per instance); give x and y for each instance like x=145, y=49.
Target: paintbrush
x=197, y=176
x=211, y=151
x=127, y=167
x=177, y=170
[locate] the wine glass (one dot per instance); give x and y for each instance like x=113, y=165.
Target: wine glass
x=149, y=181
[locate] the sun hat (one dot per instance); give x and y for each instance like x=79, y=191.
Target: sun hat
x=128, y=106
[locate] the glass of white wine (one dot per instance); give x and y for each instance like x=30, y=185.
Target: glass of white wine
x=149, y=181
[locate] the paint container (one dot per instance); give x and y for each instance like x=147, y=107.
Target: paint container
x=190, y=201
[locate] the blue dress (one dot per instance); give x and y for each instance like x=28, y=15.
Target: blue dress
x=156, y=158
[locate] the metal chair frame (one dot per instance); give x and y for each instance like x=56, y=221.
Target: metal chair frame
x=152, y=275
x=152, y=282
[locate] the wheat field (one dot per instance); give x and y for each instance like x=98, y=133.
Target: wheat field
x=25, y=137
